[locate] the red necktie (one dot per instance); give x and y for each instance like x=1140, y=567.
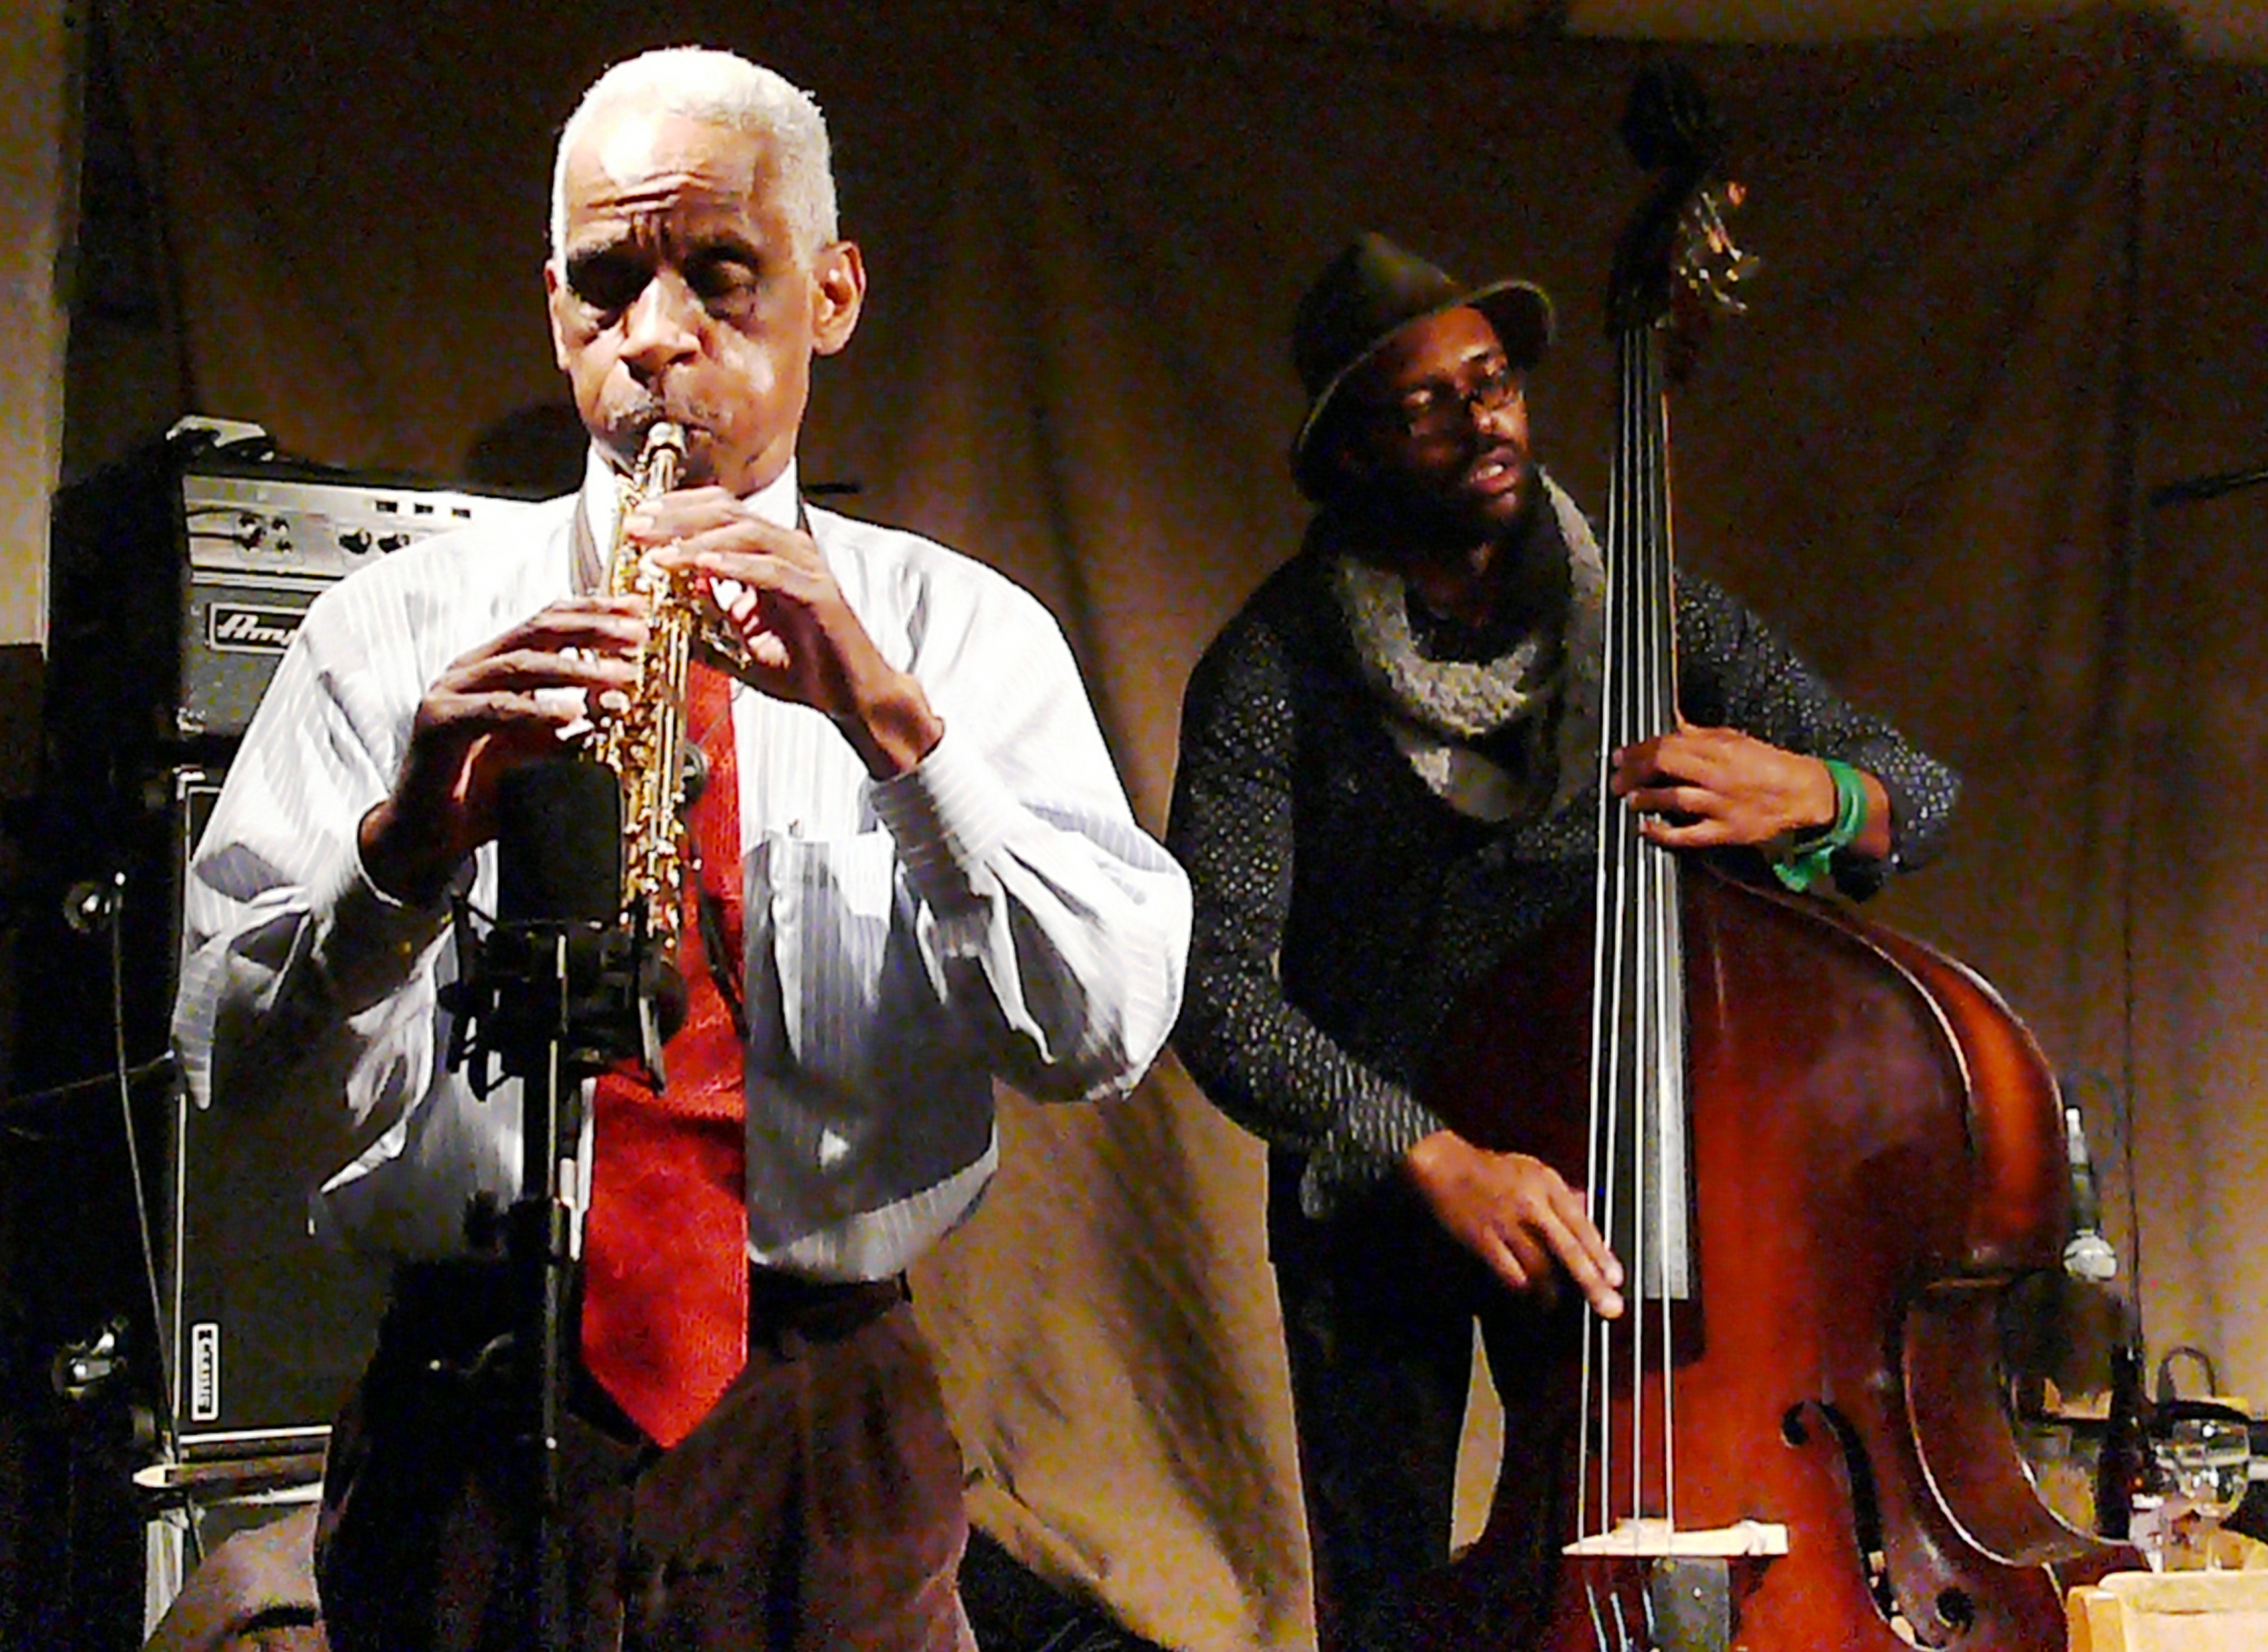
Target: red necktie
x=665, y=1241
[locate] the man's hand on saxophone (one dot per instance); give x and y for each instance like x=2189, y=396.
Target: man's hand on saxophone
x=484, y=714
x=799, y=639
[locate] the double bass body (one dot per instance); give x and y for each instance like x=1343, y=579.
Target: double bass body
x=1797, y=1438
x=1876, y=1150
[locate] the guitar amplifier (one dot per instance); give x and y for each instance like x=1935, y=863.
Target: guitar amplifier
x=181, y=574
x=179, y=578
x=258, y=547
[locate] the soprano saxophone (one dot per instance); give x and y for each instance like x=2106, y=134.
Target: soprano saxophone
x=644, y=742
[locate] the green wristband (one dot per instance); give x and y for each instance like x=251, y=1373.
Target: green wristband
x=1802, y=860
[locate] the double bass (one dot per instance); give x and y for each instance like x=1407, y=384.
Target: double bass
x=1826, y=1153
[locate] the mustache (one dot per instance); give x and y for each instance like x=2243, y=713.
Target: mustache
x=629, y=422
x=634, y=420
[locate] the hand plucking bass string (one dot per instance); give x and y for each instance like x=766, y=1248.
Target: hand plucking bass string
x=1694, y=787
x=1699, y=787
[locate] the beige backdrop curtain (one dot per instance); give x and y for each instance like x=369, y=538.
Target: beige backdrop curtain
x=2004, y=290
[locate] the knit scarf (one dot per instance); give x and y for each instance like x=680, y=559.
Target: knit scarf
x=1538, y=697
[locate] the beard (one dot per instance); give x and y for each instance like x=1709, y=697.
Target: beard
x=1438, y=515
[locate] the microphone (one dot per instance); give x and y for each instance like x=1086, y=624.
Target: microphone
x=559, y=843
x=560, y=962
x=559, y=861
x=2087, y=1255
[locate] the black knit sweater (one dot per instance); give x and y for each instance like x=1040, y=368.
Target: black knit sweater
x=1343, y=908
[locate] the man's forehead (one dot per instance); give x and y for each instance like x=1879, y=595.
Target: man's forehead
x=1433, y=345
x=633, y=159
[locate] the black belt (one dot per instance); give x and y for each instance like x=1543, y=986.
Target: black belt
x=786, y=1311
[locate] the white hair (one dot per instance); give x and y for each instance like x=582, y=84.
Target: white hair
x=717, y=89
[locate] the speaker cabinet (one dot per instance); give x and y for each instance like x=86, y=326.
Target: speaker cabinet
x=268, y=1327
x=180, y=1235
x=156, y=1263
x=179, y=576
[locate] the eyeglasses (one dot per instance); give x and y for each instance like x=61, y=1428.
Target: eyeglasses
x=1440, y=408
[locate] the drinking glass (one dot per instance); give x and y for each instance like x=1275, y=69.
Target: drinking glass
x=2207, y=1461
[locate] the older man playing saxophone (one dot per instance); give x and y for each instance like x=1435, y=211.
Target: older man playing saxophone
x=914, y=869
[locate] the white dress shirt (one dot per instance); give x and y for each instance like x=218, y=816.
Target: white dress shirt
x=995, y=912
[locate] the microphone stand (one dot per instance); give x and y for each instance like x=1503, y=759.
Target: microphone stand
x=558, y=988
x=2127, y=1463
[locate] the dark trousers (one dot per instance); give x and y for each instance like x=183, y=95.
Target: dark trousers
x=1379, y=1309
x=817, y=1504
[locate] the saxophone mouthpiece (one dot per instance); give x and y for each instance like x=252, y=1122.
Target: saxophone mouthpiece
x=661, y=459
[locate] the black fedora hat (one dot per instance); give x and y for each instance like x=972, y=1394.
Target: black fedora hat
x=1369, y=293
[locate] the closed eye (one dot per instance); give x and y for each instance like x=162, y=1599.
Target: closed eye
x=609, y=279
x=723, y=280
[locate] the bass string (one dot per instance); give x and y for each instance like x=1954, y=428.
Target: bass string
x=1638, y=1143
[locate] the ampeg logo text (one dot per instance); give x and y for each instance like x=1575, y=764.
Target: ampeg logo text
x=204, y=1372
x=237, y=628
